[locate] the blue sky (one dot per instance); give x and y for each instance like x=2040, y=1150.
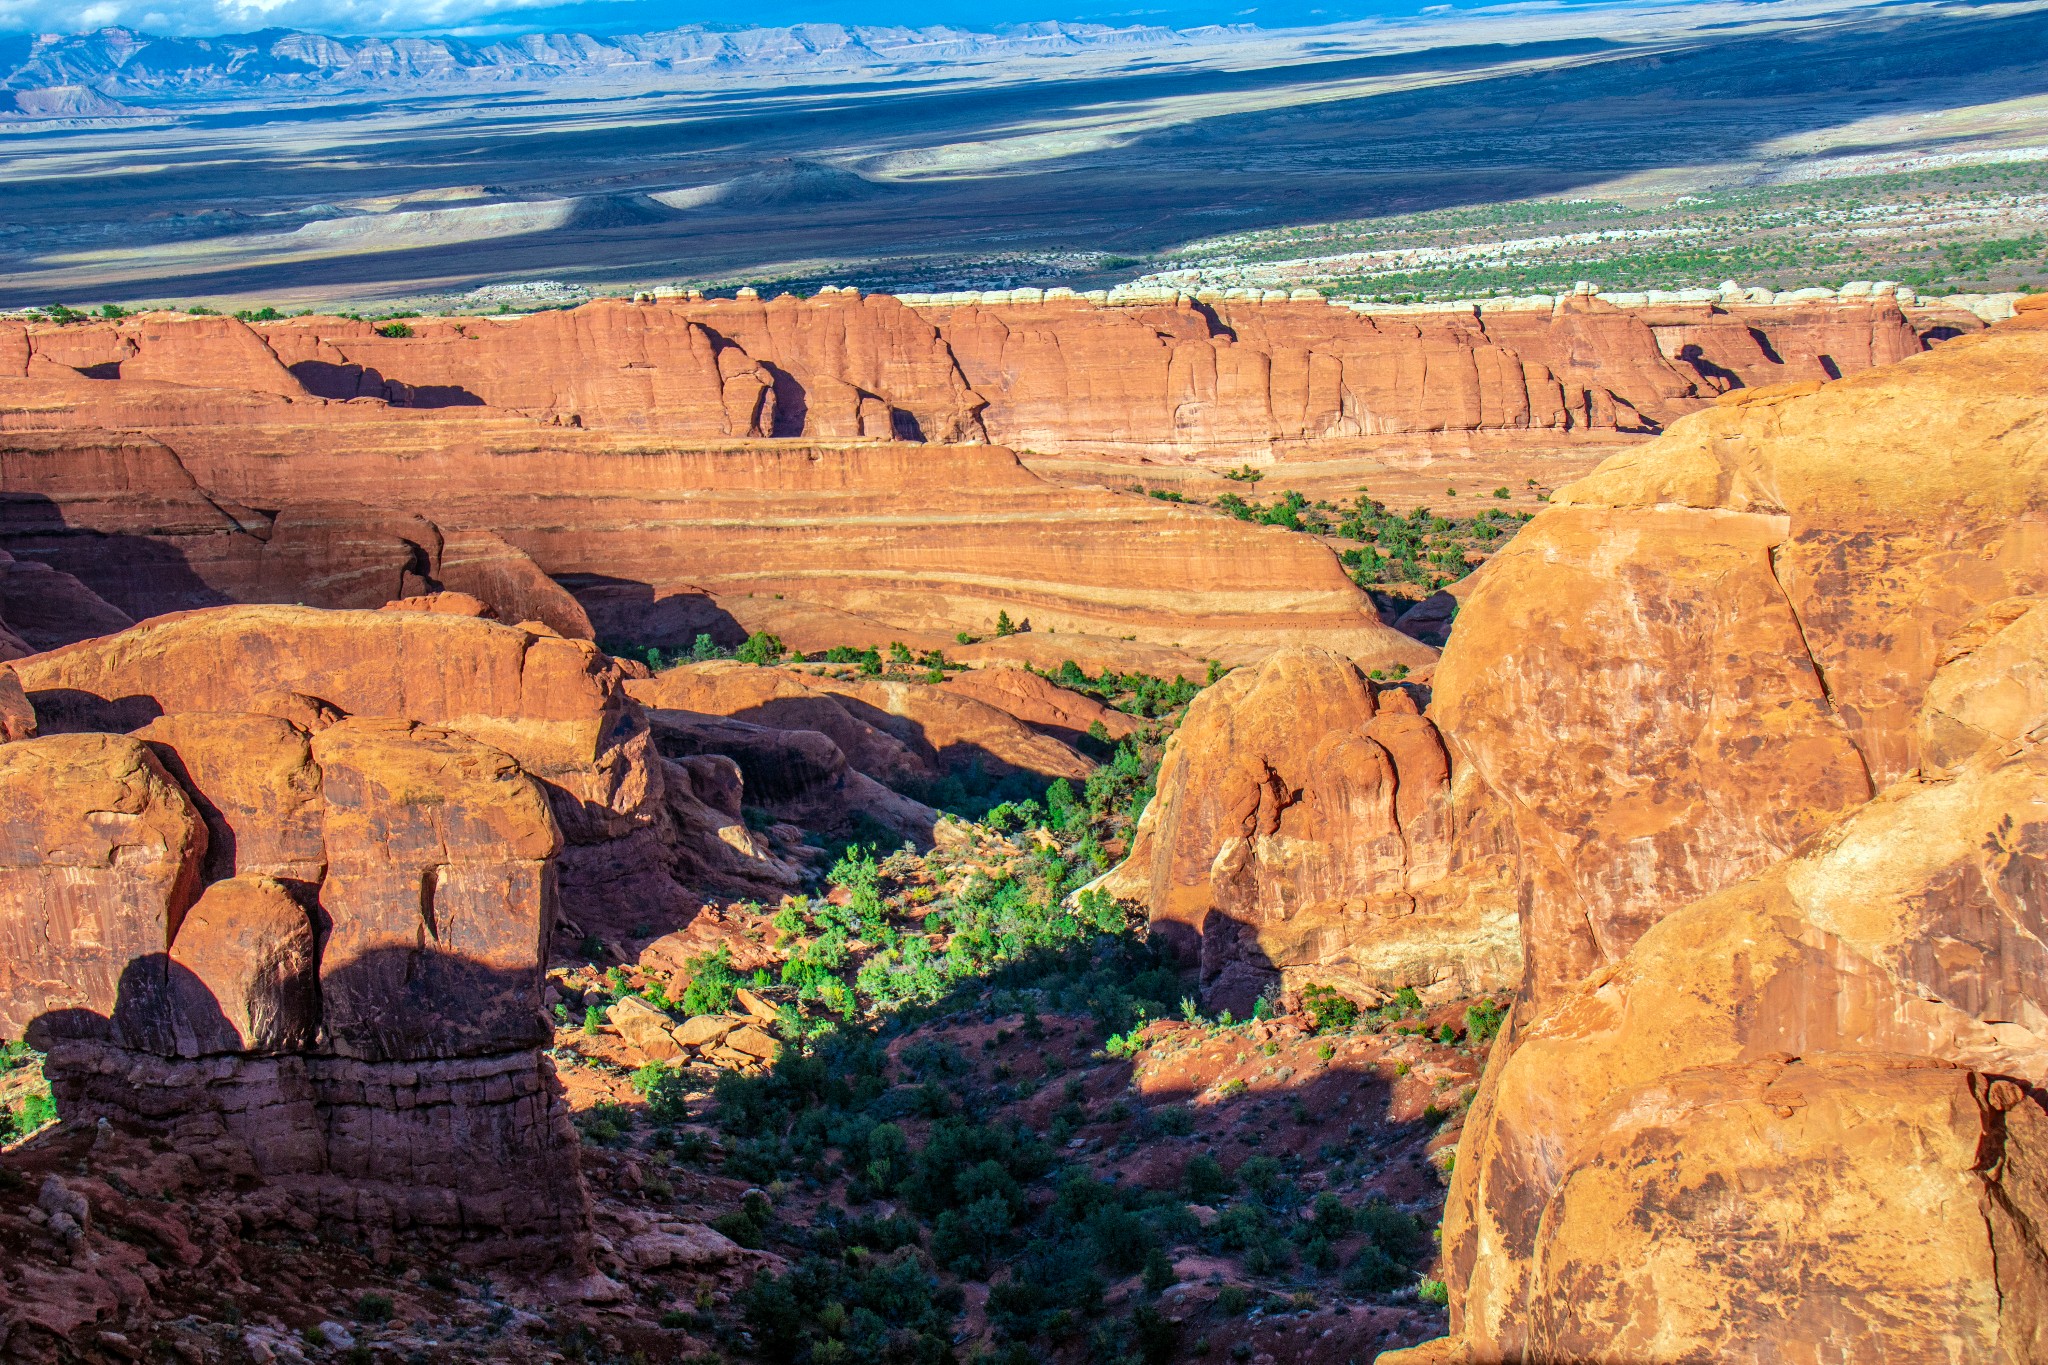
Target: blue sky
x=484, y=17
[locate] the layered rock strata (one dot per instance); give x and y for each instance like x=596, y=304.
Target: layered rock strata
x=1310, y=827
x=164, y=461
x=1181, y=378
x=1772, y=1088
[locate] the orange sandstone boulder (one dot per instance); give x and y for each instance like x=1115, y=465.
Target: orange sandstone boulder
x=1809, y=1060
x=1764, y=1008
x=17, y=715
x=554, y=705
x=244, y=972
x=1309, y=827
x=256, y=786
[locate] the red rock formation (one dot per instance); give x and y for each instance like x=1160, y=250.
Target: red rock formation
x=851, y=366
x=1764, y=1008
x=1831, y=1034
x=608, y=365
x=1308, y=828
x=99, y=860
x=554, y=705
x=1753, y=608
x=42, y=608
x=429, y=830
x=1046, y=707
x=381, y=1072
x=864, y=529
x=213, y=352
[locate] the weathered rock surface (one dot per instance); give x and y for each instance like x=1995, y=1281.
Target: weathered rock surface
x=42, y=608
x=908, y=736
x=1810, y=1061
x=1750, y=612
x=339, y=992
x=245, y=971
x=439, y=893
x=1308, y=826
x=1772, y=1089
x=1045, y=706
x=100, y=855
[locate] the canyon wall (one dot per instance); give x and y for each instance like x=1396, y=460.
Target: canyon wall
x=160, y=497
x=1765, y=701
x=1187, y=380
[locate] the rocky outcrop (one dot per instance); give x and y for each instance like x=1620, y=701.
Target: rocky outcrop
x=1833, y=1037
x=42, y=608
x=381, y=1069
x=609, y=364
x=1310, y=827
x=555, y=706
x=100, y=856
x=1782, y=859
x=1751, y=611
x=1046, y=707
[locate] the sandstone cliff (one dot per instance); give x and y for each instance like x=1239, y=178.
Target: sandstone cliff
x=1771, y=1091
x=1751, y=610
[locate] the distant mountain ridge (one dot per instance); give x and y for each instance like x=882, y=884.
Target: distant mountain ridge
x=122, y=63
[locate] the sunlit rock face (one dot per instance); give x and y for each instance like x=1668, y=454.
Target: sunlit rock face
x=1765, y=699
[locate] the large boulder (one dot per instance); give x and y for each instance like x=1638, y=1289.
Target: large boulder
x=245, y=971
x=1716, y=645
x=256, y=785
x=1045, y=706
x=100, y=857
x=1308, y=826
x=1810, y=1062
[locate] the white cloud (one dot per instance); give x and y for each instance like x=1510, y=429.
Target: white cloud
x=192, y=17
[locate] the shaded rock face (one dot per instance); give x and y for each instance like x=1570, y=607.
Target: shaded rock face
x=1772, y=1090
x=821, y=749
x=1309, y=827
x=363, y=1035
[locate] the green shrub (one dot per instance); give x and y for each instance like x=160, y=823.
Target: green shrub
x=664, y=1089
x=373, y=1308
x=1205, y=1180
x=1483, y=1021
x=1326, y=1008
x=394, y=329
x=1433, y=1291
x=761, y=648
x=712, y=982
x=1171, y=1120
